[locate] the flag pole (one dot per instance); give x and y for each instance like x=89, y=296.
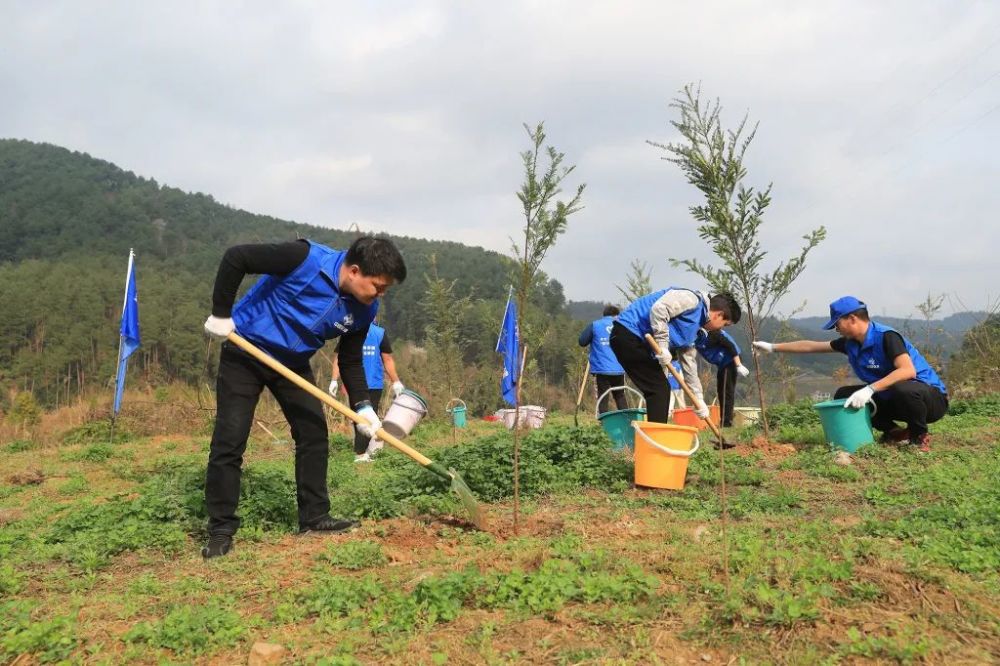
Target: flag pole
x=121, y=338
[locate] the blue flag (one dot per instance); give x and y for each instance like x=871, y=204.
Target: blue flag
x=509, y=346
x=129, y=330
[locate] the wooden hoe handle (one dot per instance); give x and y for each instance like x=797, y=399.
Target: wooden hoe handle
x=314, y=390
x=680, y=380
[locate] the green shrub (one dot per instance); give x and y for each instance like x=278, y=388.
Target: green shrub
x=95, y=431
x=20, y=445
x=191, y=629
x=48, y=639
x=792, y=414
x=355, y=555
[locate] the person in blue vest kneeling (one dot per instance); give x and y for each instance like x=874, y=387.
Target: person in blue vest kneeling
x=608, y=372
x=309, y=293
x=673, y=317
x=901, y=383
x=379, y=363
x=719, y=349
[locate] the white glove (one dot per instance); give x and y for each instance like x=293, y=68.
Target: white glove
x=700, y=409
x=742, y=371
x=397, y=388
x=664, y=359
x=220, y=327
x=859, y=398
x=368, y=430
x=333, y=387
x=765, y=347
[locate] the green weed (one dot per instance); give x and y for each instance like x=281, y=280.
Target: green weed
x=905, y=648
x=50, y=640
x=355, y=555
x=191, y=629
x=20, y=445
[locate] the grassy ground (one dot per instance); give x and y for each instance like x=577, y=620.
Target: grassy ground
x=892, y=559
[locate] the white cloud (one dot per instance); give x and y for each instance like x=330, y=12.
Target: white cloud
x=407, y=117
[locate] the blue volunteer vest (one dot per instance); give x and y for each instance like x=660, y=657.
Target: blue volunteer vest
x=372, y=357
x=683, y=328
x=674, y=384
x=602, y=360
x=870, y=363
x=716, y=354
x=292, y=316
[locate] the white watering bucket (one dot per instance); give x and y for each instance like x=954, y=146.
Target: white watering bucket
x=530, y=416
x=404, y=414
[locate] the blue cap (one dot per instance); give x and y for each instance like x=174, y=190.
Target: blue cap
x=842, y=307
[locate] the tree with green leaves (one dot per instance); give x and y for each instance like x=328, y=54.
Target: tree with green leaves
x=545, y=219
x=638, y=282
x=731, y=215
x=445, y=377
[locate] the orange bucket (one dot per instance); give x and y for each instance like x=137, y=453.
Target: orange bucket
x=661, y=454
x=685, y=417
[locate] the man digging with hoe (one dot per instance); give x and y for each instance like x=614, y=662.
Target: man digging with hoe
x=309, y=293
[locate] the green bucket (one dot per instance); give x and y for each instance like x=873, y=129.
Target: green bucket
x=457, y=412
x=618, y=425
x=847, y=429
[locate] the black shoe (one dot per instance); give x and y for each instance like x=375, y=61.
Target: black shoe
x=217, y=546
x=724, y=445
x=328, y=524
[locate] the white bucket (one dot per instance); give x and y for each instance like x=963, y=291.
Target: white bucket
x=743, y=416
x=529, y=416
x=404, y=414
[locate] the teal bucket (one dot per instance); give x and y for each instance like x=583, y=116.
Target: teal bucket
x=618, y=425
x=457, y=413
x=847, y=429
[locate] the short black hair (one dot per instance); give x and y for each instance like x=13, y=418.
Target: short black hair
x=860, y=313
x=377, y=256
x=611, y=310
x=727, y=304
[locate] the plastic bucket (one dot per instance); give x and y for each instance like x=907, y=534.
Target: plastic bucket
x=661, y=454
x=618, y=425
x=744, y=416
x=404, y=414
x=847, y=429
x=530, y=416
x=457, y=412
x=685, y=417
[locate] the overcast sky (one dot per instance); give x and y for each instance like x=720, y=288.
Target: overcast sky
x=879, y=120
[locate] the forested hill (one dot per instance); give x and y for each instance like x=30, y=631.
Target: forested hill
x=67, y=221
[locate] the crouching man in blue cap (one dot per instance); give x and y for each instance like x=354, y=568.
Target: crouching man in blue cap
x=901, y=383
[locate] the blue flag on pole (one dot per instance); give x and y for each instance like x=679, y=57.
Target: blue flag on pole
x=509, y=346
x=129, y=341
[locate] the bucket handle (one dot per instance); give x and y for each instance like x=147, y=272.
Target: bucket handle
x=597, y=405
x=669, y=452
x=871, y=401
x=448, y=408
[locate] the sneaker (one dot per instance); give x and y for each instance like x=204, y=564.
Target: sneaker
x=362, y=458
x=895, y=436
x=217, y=546
x=922, y=442
x=328, y=524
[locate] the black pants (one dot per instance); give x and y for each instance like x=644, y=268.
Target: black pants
x=726, y=390
x=912, y=402
x=605, y=382
x=238, y=387
x=644, y=371
x=360, y=441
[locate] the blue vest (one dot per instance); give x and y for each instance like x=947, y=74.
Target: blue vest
x=674, y=384
x=602, y=360
x=716, y=354
x=372, y=357
x=292, y=316
x=683, y=328
x=870, y=363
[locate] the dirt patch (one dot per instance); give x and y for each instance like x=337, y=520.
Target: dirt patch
x=28, y=477
x=8, y=516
